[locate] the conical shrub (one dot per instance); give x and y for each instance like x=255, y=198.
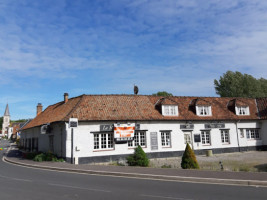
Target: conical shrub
x=189, y=160
x=139, y=158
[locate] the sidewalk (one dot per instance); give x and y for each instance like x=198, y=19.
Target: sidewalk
x=197, y=176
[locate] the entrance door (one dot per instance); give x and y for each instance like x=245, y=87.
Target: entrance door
x=188, y=138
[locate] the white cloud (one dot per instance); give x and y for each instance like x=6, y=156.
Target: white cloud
x=161, y=45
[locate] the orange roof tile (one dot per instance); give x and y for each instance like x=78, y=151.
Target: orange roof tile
x=166, y=101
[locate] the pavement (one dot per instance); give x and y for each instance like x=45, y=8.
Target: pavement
x=14, y=156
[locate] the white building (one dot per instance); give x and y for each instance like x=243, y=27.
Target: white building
x=162, y=126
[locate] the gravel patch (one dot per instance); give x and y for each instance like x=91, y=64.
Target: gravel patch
x=254, y=161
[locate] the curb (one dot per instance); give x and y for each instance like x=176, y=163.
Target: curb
x=150, y=176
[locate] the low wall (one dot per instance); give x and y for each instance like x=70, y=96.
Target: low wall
x=115, y=158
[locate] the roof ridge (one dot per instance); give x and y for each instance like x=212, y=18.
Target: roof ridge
x=150, y=95
x=74, y=107
x=63, y=101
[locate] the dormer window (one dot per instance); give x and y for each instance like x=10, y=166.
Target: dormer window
x=170, y=110
x=203, y=110
x=242, y=110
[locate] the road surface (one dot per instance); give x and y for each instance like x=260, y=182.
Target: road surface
x=21, y=183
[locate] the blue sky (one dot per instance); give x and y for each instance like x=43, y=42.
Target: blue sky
x=105, y=47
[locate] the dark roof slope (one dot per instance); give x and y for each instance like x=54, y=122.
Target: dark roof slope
x=262, y=106
x=135, y=107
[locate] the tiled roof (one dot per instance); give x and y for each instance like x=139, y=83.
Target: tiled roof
x=16, y=127
x=262, y=106
x=135, y=108
x=166, y=101
x=202, y=102
x=240, y=102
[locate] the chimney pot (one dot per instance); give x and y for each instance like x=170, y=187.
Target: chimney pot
x=39, y=108
x=66, y=97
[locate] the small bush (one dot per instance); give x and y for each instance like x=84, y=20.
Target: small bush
x=47, y=157
x=39, y=157
x=139, y=158
x=17, y=141
x=244, y=169
x=189, y=160
x=30, y=156
x=166, y=166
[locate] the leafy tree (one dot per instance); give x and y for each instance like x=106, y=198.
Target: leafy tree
x=139, y=158
x=236, y=84
x=189, y=160
x=163, y=93
x=19, y=120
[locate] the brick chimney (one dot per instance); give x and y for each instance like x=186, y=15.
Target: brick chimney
x=66, y=97
x=39, y=108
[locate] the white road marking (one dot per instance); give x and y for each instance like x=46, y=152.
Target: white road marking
x=16, y=179
x=163, y=197
x=81, y=188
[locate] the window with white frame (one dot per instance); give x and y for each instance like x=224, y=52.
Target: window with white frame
x=241, y=131
x=242, y=110
x=253, y=133
x=187, y=137
x=204, y=110
x=139, y=139
x=225, y=137
x=170, y=110
x=205, y=137
x=103, y=141
x=166, y=138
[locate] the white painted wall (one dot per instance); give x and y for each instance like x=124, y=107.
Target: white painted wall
x=84, y=138
x=264, y=131
x=9, y=132
x=58, y=134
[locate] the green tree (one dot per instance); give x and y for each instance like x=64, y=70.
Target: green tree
x=19, y=120
x=162, y=93
x=139, y=158
x=236, y=84
x=189, y=160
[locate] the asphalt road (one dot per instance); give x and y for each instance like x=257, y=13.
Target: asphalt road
x=26, y=183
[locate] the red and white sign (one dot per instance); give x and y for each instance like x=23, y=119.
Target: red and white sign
x=124, y=131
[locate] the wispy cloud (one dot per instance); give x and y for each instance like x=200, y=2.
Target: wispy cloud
x=51, y=47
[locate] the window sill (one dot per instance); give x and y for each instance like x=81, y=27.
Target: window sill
x=97, y=150
x=165, y=147
x=252, y=139
x=225, y=143
x=137, y=146
x=206, y=144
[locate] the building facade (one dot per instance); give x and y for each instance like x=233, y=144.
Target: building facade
x=111, y=126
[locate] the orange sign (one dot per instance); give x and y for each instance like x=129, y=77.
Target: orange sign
x=124, y=130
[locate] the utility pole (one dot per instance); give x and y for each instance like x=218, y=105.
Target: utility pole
x=73, y=123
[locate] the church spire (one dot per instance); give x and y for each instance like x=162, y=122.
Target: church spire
x=7, y=111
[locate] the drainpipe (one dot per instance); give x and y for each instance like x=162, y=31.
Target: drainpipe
x=72, y=152
x=237, y=134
